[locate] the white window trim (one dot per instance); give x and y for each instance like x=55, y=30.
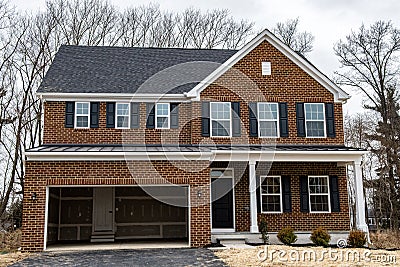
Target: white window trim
x=305, y=120
x=81, y=115
x=259, y=120
x=116, y=115
x=230, y=120
x=270, y=194
x=319, y=194
x=163, y=116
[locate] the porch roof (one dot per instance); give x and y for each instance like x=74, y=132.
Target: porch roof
x=188, y=148
x=302, y=153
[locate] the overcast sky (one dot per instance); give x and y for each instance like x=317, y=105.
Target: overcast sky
x=328, y=20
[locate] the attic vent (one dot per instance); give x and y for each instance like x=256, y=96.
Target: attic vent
x=266, y=68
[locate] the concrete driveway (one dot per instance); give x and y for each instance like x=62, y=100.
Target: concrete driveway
x=139, y=257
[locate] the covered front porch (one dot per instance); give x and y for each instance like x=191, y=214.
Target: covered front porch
x=297, y=170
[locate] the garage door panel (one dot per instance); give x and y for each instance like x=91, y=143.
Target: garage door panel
x=140, y=215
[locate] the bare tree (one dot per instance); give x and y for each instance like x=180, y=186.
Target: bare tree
x=289, y=33
x=370, y=66
x=357, y=131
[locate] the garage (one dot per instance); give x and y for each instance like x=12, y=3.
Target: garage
x=122, y=213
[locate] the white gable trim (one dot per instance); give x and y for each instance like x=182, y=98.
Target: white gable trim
x=339, y=94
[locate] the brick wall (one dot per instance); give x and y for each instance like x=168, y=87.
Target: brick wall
x=287, y=83
x=244, y=83
x=56, y=133
x=41, y=174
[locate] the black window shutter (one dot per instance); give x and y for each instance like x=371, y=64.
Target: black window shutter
x=330, y=120
x=151, y=116
x=135, y=115
x=174, y=115
x=69, y=114
x=258, y=194
x=205, y=119
x=253, y=124
x=334, y=191
x=286, y=194
x=110, y=115
x=236, y=131
x=283, y=120
x=94, y=114
x=304, y=194
x=301, y=120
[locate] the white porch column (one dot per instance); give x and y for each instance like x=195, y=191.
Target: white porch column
x=253, y=197
x=360, y=201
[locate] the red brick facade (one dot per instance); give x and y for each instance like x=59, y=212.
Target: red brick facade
x=244, y=82
x=288, y=83
x=42, y=174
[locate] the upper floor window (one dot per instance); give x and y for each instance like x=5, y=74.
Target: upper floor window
x=271, y=194
x=162, y=116
x=220, y=119
x=319, y=193
x=82, y=115
x=122, y=115
x=315, y=119
x=268, y=119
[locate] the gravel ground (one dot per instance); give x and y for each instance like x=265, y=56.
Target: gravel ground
x=279, y=255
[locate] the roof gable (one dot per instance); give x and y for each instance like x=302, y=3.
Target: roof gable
x=298, y=59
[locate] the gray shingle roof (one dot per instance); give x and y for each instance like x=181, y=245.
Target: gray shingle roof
x=100, y=69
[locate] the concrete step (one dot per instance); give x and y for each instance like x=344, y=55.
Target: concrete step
x=102, y=233
x=102, y=237
x=232, y=241
x=101, y=240
x=246, y=236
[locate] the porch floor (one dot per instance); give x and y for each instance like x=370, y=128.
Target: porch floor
x=147, y=244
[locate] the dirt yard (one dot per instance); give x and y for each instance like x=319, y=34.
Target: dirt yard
x=279, y=255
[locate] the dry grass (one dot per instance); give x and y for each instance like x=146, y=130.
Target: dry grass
x=10, y=242
x=386, y=240
x=248, y=257
x=12, y=257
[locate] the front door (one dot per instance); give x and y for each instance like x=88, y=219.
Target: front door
x=222, y=203
x=103, y=219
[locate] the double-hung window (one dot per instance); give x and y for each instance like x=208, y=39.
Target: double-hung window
x=82, y=110
x=162, y=116
x=319, y=193
x=122, y=115
x=268, y=119
x=220, y=119
x=271, y=194
x=315, y=119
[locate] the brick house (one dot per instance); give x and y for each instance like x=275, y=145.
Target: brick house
x=191, y=144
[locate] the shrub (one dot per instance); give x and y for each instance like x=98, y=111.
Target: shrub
x=320, y=237
x=357, y=239
x=287, y=236
x=264, y=230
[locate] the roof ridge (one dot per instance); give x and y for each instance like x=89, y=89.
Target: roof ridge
x=150, y=47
